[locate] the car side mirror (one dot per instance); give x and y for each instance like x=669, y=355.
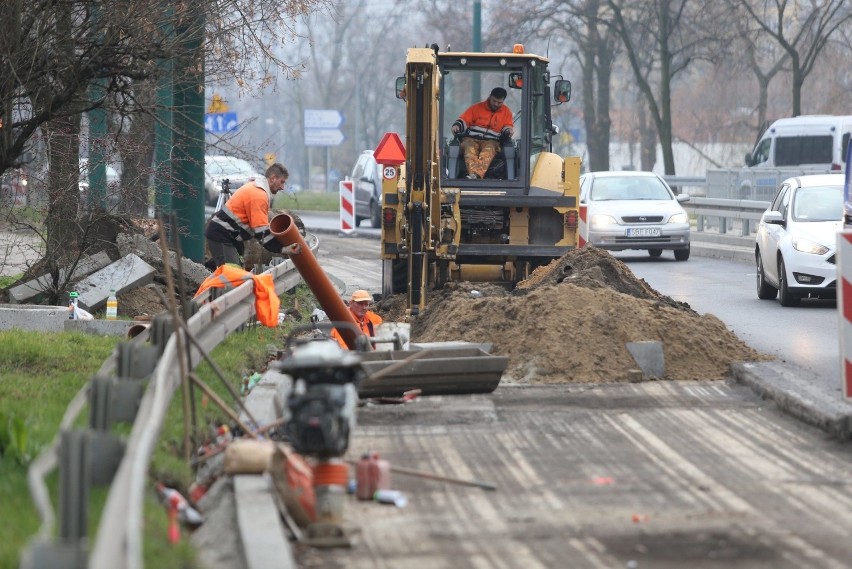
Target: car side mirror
x=773, y=218
x=682, y=198
x=748, y=159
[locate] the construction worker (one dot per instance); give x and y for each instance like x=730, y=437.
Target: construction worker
x=366, y=319
x=485, y=124
x=245, y=216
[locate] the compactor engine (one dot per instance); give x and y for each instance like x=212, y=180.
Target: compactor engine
x=439, y=224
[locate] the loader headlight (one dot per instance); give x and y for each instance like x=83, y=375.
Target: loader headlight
x=807, y=246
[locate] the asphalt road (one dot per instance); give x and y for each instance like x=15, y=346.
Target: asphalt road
x=656, y=474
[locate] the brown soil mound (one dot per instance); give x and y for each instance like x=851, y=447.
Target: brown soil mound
x=570, y=320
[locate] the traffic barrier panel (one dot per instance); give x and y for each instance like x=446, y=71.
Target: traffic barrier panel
x=844, y=306
x=583, y=233
x=347, y=206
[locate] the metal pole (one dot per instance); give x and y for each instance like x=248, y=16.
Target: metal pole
x=476, y=88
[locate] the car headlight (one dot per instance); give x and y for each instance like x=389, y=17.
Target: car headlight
x=602, y=220
x=679, y=218
x=807, y=246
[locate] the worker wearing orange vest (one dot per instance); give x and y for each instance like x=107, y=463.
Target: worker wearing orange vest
x=367, y=320
x=484, y=125
x=246, y=216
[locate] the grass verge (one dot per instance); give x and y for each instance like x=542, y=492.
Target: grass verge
x=307, y=201
x=41, y=375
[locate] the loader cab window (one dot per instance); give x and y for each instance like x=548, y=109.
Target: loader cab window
x=465, y=84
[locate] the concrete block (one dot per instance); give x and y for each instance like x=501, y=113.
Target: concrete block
x=127, y=273
x=33, y=317
x=99, y=327
x=649, y=357
x=150, y=252
x=29, y=290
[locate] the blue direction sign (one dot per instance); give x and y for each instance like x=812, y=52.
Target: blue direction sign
x=323, y=137
x=219, y=123
x=323, y=118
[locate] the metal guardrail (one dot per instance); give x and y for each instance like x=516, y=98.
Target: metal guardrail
x=720, y=213
x=95, y=456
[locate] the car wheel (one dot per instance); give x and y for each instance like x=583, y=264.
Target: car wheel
x=655, y=252
x=765, y=291
x=375, y=215
x=681, y=254
x=784, y=296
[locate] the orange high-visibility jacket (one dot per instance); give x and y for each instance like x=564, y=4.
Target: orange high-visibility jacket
x=266, y=302
x=245, y=216
x=367, y=326
x=481, y=122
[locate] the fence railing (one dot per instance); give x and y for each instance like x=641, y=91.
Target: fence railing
x=134, y=385
x=717, y=214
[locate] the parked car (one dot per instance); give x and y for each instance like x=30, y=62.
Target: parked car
x=367, y=186
x=218, y=168
x=796, y=240
x=634, y=210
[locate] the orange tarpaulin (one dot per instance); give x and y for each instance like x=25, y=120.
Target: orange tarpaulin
x=266, y=302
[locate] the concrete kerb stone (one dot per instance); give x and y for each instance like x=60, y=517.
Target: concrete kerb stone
x=127, y=273
x=29, y=290
x=33, y=317
x=780, y=384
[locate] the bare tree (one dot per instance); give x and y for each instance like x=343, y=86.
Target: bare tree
x=661, y=38
x=802, y=30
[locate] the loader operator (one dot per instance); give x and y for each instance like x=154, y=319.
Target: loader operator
x=367, y=320
x=486, y=124
x=245, y=216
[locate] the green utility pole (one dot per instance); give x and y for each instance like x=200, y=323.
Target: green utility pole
x=96, y=168
x=477, y=47
x=188, y=151
x=163, y=128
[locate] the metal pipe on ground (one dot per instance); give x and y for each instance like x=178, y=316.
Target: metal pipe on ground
x=284, y=229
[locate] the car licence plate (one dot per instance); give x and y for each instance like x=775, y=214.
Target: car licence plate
x=643, y=232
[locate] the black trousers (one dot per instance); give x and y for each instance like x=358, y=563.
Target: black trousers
x=222, y=253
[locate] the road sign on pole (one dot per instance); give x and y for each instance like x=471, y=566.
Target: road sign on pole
x=218, y=123
x=323, y=137
x=322, y=127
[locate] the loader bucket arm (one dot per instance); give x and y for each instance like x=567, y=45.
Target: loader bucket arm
x=422, y=195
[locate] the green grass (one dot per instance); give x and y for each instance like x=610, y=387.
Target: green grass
x=41, y=375
x=307, y=201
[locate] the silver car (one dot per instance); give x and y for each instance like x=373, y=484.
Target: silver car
x=219, y=168
x=634, y=210
x=796, y=240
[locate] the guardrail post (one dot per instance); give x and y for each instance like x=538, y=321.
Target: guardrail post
x=161, y=330
x=135, y=360
x=723, y=225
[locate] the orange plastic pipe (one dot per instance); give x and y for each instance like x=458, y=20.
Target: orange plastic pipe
x=285, y=231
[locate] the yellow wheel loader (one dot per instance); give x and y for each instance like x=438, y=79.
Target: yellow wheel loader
x=440, y=225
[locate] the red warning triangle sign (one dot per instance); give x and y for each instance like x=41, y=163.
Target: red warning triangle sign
x=390, y=150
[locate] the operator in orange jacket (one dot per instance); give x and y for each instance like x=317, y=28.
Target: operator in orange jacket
x=485, y=123
x=367, y=320
x=246, y=216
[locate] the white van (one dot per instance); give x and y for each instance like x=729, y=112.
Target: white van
x=808, y=141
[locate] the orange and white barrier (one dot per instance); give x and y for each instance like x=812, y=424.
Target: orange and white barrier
x=347, y=206
x=844, y=307
x=583, y=228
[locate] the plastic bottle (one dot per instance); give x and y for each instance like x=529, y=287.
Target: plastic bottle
x=371, y=474
x=112, y=306
x=72, y=305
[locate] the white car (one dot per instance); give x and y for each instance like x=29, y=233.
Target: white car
x=634, y=210
x=796, y=240
x=219, y=168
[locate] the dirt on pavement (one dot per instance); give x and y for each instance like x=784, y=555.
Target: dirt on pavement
x=570, y=320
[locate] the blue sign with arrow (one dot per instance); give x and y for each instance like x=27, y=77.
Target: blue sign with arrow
x=220, y=123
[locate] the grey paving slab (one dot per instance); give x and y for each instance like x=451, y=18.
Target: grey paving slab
x=127, y=273
x=30, y=290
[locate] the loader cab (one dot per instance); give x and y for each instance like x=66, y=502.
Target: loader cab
x=468, y=78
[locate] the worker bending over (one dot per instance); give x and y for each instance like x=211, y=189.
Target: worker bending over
x=246, y=216
x=366, y=319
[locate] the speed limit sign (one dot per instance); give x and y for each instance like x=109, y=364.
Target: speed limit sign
x=389, y=172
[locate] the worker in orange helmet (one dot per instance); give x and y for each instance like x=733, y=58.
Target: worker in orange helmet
x=366, y=319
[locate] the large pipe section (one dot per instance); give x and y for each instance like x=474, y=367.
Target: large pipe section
x=284, y=229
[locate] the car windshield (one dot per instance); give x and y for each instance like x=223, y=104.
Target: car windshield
x=227, y=166
x=628, y=188
x=819, y=203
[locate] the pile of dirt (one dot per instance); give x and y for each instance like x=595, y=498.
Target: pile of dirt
x=570, y=321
